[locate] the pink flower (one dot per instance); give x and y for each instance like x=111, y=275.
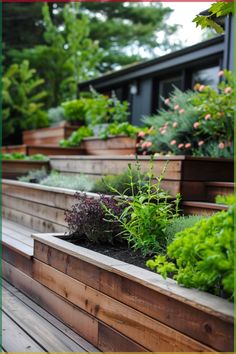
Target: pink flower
x=141, y=134
x=221, y=146
x=173, y=142
x=176, y=107
x=201, y=142
x=196, y=125
x=180, y=146
x=228, y=89
x=148, y=144
x=144, y=152
x=187, y=146
x=181, y=111
x=201, y=88
x=167, y=101
x=163, y=132
x=174, y=125
x=221, y=73
x=207, y=116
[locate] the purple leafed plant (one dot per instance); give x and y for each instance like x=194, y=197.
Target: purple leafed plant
x=86, y=219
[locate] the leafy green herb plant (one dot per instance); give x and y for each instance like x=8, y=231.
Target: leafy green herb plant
x=21, y=156
x=202, y=256
x=146, y=213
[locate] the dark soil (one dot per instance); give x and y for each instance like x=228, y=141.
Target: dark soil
x=120, y=252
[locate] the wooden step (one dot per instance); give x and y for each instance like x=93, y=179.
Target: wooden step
x=201, y=208
x=213, y=189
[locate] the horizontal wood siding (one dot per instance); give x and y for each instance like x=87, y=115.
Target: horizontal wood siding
x=149, y=333
x=13, y=169
x=184, y=317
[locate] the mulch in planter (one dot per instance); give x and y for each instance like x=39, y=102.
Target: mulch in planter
x=121, y=252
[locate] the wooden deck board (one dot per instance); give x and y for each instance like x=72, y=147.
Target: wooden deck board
x=35, y=329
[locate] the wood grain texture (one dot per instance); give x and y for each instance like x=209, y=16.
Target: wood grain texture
x=33, y=222
x=18, y=260
x=37, y=327
x=201, y=208
x=51, y=135
x=79, y=321
x=202, y=326
x=22, y=341
x=149, y=333
x=14, y=168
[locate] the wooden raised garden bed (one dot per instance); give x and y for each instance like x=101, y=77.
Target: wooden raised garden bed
x=50, y=150
x=152, y=314
x=16, y=168
x=115, y=145
x=184, y=174
x=48, y=136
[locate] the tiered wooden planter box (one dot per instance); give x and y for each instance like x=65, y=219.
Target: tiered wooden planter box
x=184, y=174
x=49, y=150
x=114, y=305
x=16, y=168
x=48, y=136
x=115, y=145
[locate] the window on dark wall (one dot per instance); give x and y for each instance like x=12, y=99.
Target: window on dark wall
x=166, y=87
x=208, y=76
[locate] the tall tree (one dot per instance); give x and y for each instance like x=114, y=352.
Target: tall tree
x=67, y=57
x=123, y=30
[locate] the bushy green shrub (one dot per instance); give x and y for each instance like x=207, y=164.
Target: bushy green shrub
x=202, y=256
x=179, y=224
x=56, y=115
x=198, y=123
x=75, y=110
x=121, y=183
x=77, y=137
x=146, y=214
x=114, y=129
x=22, y=100
x=78, y=182
x=34, y=176
x=21, y=156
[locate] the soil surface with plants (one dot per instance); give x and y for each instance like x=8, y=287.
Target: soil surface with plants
x=120, y=252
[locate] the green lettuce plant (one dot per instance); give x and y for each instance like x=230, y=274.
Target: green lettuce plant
x=77, y=137
x=202, y=256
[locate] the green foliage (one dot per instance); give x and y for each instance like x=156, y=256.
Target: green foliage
x=202, y=256
x=121, y=183
x=21, y=156
x=22, y=100
x=68, y=57
x=78, y=182
x=96, y=109
x=146, y=214
x=34, y=176
x=198, y=123
x=114, y=129
x=56, y=115
x=179, y=224
x=216, y=10
x=77, y=137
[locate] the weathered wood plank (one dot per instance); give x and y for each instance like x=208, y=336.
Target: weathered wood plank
x=181, y=316
x=78, y=320
x=14, y=339
x=36, y=326
x=15, y=234
x=47, y=213
x=51, y=319
x=201, y=208
x=61, y=200
x=36, y=223
x=99, y=166
x=16, y=168
x=18, y=245
x=151, y=334
x=17, y=259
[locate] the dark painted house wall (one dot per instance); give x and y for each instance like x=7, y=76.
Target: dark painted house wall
x=154, y=78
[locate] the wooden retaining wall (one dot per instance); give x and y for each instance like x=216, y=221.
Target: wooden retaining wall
x=44, y=150
x=16, y=168
x=185, y=175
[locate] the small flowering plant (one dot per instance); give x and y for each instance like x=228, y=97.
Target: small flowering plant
x=198, y=122
x=216, y=111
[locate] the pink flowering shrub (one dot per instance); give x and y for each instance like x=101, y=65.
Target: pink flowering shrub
x=198, y=122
